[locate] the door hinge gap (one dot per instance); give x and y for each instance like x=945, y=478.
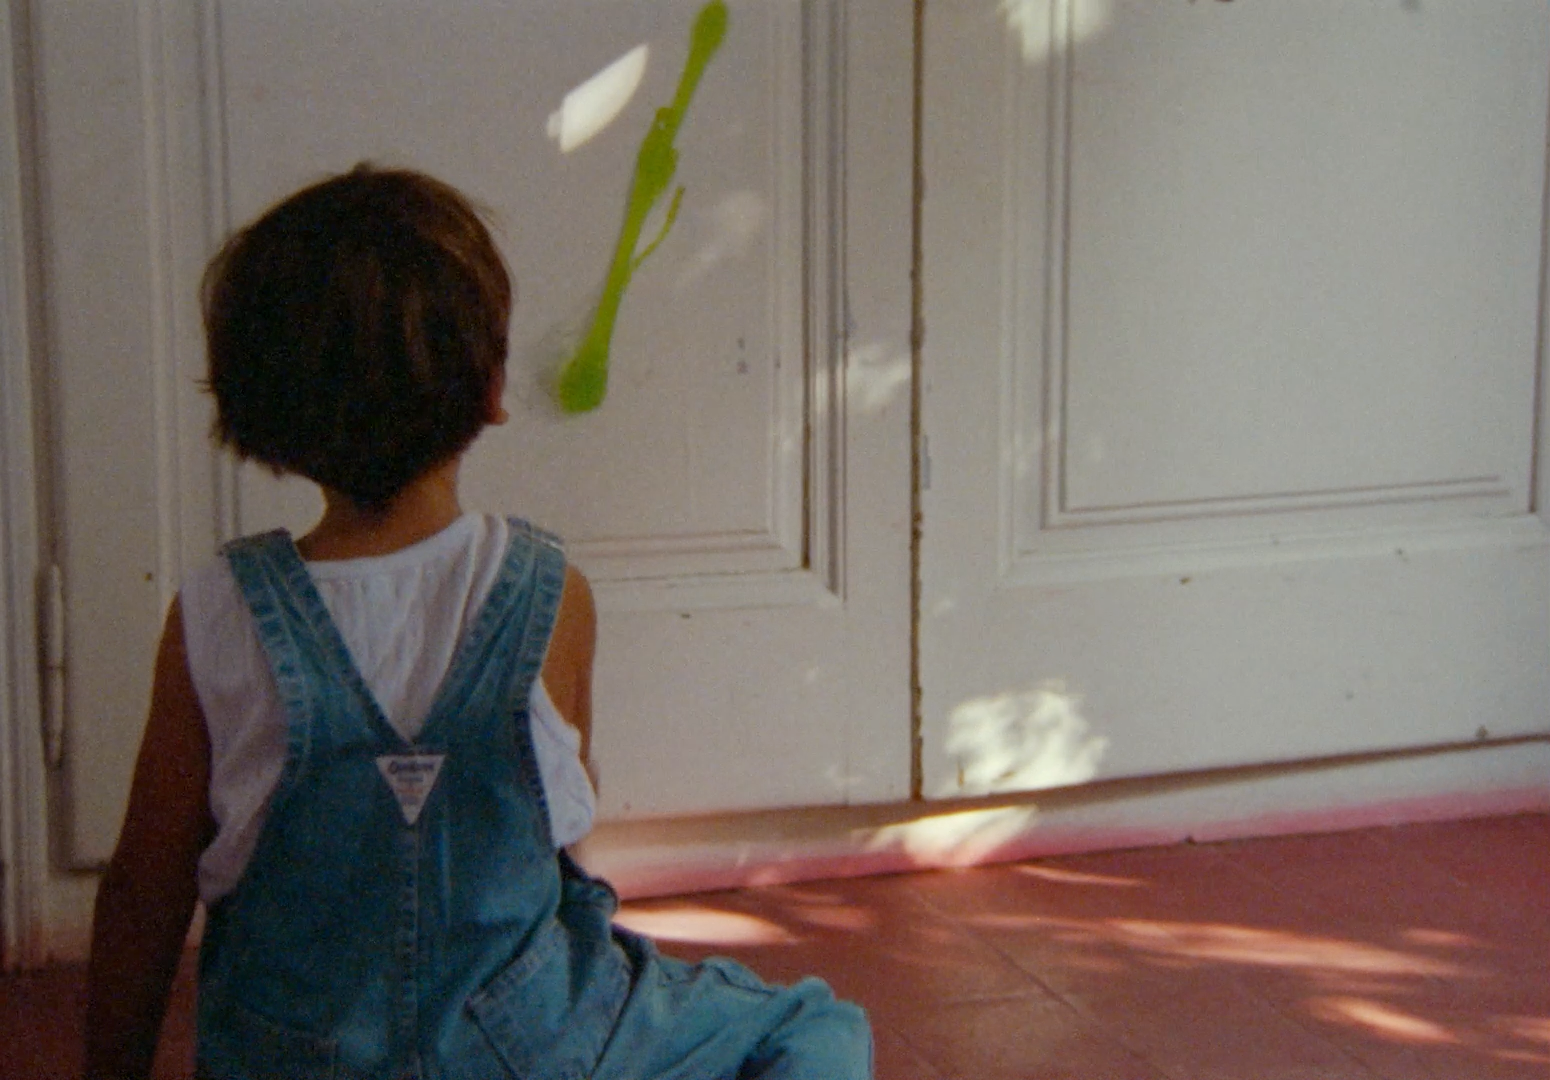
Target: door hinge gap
x=53, y=635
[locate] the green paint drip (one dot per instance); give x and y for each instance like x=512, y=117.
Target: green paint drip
x=583, y=379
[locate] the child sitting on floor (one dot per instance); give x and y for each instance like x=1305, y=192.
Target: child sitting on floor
x=364, y=751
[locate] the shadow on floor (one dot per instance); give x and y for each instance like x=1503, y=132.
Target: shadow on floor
x=1410, y=953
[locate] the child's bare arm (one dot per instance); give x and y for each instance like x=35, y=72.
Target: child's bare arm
x=567, y=670
x=147, y=897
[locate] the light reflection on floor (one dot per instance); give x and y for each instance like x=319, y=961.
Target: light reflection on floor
x=1416, y=953
x=1382, y=1020
x=1072, y=877
x=1528, y=1028
x=703, y=926
x=1229, y=944
x=1134, y=942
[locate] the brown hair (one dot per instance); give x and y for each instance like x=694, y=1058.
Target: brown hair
x=355, y=332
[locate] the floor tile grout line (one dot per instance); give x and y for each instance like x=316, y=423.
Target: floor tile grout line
x=1339, y=1048
x=1050, y=993
x=1099, y=1026
x=903, y=1036
x=1111, y=1033
x=1116, y=1034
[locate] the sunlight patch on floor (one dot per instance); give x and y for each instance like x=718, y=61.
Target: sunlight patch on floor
x=1440, y=939
x=1231, y=944
x=695, y=924
x=1074, y=877
x=1382, y=1020
x=1526, y=1057
x=852, y=919
x=1528, y=1028
x=1272, y=948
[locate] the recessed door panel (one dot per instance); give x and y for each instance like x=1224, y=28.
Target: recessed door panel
x=1247, y=300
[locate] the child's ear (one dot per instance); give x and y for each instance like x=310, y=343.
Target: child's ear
x=495, y=405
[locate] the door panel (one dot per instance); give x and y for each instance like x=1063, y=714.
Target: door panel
x=1246, y=300
x=741, y=499
x=707, y=497
x=120, y=475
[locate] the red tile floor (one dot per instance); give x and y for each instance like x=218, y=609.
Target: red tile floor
x=1418, y=952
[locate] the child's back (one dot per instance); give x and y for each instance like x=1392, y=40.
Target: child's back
x=393, y=880
x=382, y=864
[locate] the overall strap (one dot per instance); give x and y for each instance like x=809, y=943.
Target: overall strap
x=361, y=930
x=306, y=653
x=503, y=651
x=494, y=665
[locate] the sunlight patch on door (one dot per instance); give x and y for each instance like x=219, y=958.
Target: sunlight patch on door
x=737, y=224
x=876, y=376
x=1033, y=23
x=593, y=105
x=1022, y=741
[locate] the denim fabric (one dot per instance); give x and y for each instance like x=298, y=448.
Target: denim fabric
x=368, y=942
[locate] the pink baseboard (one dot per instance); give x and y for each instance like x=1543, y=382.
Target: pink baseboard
x=646, y=859
x=672, y=857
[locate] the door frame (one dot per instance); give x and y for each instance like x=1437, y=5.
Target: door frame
x=24, y=832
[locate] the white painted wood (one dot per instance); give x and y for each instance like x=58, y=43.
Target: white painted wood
x=741, y=501
x=671, y=857
x=1230, y=377
x=674, y=857
x=754, y=638
x=24, y=905
x=104, y=339
x=1195, y=586
x=696, y=465
x=128, y=477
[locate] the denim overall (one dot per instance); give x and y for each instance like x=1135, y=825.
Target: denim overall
x=406, y=915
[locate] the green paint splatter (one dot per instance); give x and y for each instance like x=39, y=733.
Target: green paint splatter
x=583, y=379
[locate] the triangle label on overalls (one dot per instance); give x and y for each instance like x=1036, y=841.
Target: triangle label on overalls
x=411, y=778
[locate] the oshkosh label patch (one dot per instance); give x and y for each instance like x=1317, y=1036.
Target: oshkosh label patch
x=411, y=777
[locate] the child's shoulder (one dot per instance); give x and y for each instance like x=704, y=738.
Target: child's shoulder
x=480, y=538
x=525, y=528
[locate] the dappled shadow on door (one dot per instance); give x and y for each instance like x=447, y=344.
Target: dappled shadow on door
x=1021, y=741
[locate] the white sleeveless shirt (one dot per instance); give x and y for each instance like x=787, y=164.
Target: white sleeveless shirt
x=402, y=617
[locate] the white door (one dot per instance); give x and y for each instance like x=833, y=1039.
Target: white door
x=740, y=501
x=125, y=478
x=1231, y=377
